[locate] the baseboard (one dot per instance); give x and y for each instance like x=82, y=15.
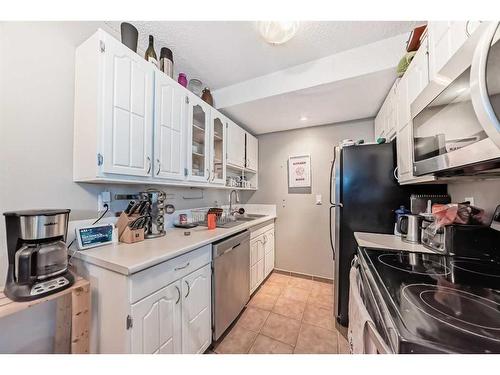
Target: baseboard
x=303, y=275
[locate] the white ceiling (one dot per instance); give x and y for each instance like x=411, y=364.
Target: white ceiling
x=326, y=104
x=222, y=53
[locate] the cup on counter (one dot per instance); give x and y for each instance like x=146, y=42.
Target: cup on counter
x=183, y=219
x=211, y=221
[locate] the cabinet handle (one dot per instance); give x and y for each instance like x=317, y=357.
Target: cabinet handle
x=159, y=166
x=181, y=268
x=467, y=29
x=208, y=178
x=189, y=289
x=396, y=174
x=178, y=294
x=149, y=163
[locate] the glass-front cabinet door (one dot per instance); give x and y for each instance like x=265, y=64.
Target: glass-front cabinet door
x=217, y=148
x=199, y=139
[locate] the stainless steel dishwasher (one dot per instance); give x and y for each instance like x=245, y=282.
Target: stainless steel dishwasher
x=230, y=281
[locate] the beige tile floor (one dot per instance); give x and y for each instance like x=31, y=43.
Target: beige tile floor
x=286, y=315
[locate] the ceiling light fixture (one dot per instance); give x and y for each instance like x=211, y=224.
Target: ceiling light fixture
x=277, y=32
x=303, y=118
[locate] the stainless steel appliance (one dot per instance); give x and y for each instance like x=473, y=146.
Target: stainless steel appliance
x=453, y=239
x=420, y=202
x=230, y=280
x=38, y=256
x=410, y=226
x=364, y=195
x=431, y=303
x=456, y=126
x=155, y=210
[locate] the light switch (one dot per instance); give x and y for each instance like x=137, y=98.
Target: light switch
x=319, y=199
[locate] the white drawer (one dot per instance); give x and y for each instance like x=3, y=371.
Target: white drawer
x=260, y=229
x=152, y=279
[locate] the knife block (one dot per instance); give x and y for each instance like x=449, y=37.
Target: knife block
x=125, y=234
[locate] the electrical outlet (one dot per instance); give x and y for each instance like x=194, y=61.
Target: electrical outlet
x=319, y=200
x=471, y=200
x=102, y=199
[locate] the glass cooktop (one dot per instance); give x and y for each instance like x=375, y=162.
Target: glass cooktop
x=451, y=304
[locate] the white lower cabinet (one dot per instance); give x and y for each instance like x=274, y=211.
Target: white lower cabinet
x=261, y=255
x=268, y=252
x=164, y=309
x=177, y=318
x=196, y=311
x=157, y=322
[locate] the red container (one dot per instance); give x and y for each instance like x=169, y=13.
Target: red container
x=211, y=221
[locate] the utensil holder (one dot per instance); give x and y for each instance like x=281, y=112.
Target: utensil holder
x=125, y=234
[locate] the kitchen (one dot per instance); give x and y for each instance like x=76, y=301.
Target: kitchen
x=242, y=210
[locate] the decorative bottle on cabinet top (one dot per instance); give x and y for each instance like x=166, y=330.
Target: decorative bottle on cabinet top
x=182, y=79
x=206, y=96
x=167, y=61
x=150, y=52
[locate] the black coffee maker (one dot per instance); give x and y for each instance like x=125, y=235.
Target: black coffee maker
x=38, y=255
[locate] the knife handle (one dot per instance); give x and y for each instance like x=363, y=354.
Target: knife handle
x=129, y=207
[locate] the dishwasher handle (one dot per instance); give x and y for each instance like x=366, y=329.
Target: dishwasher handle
x=231, y=249
x=229, y=244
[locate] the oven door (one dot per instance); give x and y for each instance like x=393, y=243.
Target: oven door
x=455, y=126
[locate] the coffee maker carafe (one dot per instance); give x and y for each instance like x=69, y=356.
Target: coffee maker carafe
x=38, y=255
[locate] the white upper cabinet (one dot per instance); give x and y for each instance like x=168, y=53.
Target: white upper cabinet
x=445, y=38
x=127, y=111
x=113, y=111
x=169, y=129
x=218, y=136
x=198, y=116
x=134, y=124
x=415, y=79
x=386, y=119
x=235, y=145
x=417, y=75
x=252, y=152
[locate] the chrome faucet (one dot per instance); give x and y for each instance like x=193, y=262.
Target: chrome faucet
x=237, y=200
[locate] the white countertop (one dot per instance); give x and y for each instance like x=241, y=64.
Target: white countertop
x=131, y=258
x=388, y=241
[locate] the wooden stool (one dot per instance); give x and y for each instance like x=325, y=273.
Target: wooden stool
x=72, y=316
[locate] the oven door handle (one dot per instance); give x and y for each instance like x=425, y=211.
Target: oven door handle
x=371, y=333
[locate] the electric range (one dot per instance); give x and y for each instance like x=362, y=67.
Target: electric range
x=429, y=303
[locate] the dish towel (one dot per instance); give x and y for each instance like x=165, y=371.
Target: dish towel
x=358, y=318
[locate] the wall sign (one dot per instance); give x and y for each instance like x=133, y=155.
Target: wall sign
x=299, y=171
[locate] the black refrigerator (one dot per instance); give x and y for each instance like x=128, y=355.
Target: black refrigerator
x=364, y=195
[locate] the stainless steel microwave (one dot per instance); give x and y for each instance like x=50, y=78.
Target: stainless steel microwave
x=456, y=128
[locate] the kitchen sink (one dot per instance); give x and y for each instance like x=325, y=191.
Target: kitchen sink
x=239, y=220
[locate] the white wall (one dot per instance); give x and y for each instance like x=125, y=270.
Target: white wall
x=36, y=143
x=302, y=230
x=486, y=193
